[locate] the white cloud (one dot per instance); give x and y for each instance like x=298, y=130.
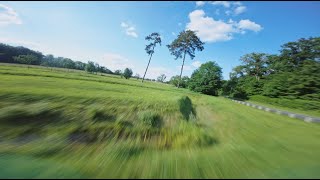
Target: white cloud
x=125, y=25
x=130, y=30
x=200, y=3
x=239, y=10
x=235, y=7
x=8, y=16
x=115, y=61
x=249, y=25
x=211, y=30
x=208, y=29
x=223, y=3
x=196, y=64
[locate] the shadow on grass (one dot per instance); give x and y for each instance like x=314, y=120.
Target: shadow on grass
x=28, y=116
x=186, y=107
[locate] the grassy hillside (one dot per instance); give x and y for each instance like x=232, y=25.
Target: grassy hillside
x=57, y=123
x=300, y=106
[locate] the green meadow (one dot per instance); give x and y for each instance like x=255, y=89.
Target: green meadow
x=59, y=123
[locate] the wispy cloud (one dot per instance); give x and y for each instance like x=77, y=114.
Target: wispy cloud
x=129, y=29
x=200, y=3
x=115, y=61
x=249, y=25
x=8, y=16
x=233, y=7
x=211, y=30
x=239, y=10
x=196, y=64
x=155, y=72
x=223, y=3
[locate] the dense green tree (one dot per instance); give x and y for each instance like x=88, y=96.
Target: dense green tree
x=294, y=53
x=206, y=79
x=90, y=67
x=155, y=39
x=26, y=59
x=255, y=64
x=186, y=43
x=182, y=82
x=294, y=73
x=127, y=73
x=7, y=53
x=118, y=72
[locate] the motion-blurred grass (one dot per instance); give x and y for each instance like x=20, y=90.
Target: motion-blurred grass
x=57, y=123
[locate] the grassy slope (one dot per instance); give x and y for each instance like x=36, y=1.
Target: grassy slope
x=300, y=105
x=249, y=143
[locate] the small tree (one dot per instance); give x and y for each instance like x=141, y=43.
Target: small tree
x=206, y=79
x=127, y=73
x=117, y=72
x=155, y=38
x=26, y=59
x=255, y=64
x=137, y=76
x=90, y=67
x=183, y=82
x=161, y=78
x=186, y=43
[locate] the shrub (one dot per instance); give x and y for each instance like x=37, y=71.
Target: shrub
x=149, y=119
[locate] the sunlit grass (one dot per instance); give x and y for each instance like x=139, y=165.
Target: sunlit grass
x=60, y=123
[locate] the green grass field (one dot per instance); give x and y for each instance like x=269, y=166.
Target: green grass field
x=56, y=123
x=299, y=106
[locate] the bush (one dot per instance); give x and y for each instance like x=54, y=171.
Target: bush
x=150, y=119
x=127, y=73
x=206, y=79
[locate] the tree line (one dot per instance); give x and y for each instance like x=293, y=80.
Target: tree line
x=23, y=55
x=294, y=73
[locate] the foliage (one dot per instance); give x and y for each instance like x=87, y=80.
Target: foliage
x=161, y=78
x=186, y=43
x=26, y=59
x=254, y=64
x=155, y=39
x=90, y=67
x=8, y=54
x=118, y=72
x=206, y=79
x=150, y=119
x=127, y=73
x=294, y=73
x=183, y=83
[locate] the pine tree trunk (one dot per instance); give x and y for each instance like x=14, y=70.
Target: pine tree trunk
x=148, y=65
x=182, y=67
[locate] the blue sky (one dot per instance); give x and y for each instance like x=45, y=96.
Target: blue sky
x=112, y=33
